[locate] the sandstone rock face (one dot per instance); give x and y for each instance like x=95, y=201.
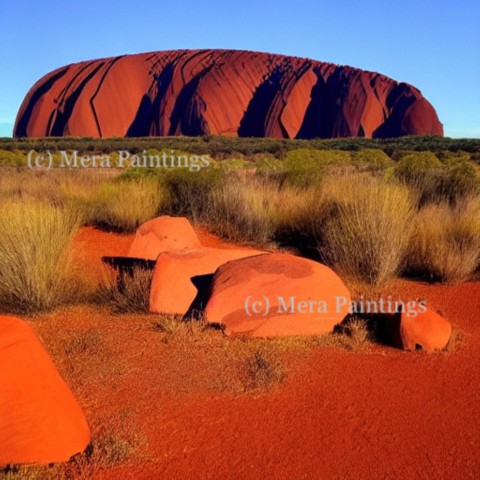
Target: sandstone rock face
x=277, y=295
x=221, y=92
x=163, y=234
x=40, y=420
x=427, y=331
x=179, y=276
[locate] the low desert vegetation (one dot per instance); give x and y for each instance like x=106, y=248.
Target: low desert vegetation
x=37, y=264
x=109, y=448
x=126, y=292
x=432, y=181
x=369, y=215
x=366, y=228
x=262, y=369
x=124, y=205
x=445, y=245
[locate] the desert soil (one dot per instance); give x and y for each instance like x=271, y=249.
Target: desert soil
x=374, y=413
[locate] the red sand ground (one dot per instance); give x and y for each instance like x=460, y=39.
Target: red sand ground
x=382, y=413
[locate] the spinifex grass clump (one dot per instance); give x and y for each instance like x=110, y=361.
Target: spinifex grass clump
x=364, y=228
x=125, y=204
x=37, y=265
x=446, y=243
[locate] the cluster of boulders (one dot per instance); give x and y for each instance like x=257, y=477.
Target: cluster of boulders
x=259, y=293
x=246, y=291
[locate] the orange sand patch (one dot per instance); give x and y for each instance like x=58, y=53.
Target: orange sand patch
x=374, y=414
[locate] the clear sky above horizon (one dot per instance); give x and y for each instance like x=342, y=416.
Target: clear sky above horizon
x=434, y=45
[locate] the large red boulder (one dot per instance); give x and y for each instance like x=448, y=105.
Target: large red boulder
x=40, y=419
x=427, y=331
x=179, y=276
x=221, y=92
x=276, y=295
x=163, y=234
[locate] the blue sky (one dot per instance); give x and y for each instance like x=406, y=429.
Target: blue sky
x=434, y=45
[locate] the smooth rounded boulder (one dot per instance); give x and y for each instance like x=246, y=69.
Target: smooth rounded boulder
x=180, y=277
x=427, y=331
x=41, y=422
x=163, y=234
x=277, y=294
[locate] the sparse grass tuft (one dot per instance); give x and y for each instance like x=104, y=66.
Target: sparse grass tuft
x=129, y=293
x=353, y=334
x=177, y=330
x=456, y=342
x=83, y=343
x=109, y=449
x=261, y=370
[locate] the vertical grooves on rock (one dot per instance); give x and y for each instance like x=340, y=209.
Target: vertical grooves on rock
x=99, y=86
x=195, y=92
x=63, y=117
x=24, y=118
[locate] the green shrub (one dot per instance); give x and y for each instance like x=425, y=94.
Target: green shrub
x=373, y=159
x=304, y=167
x=12, y=158
x=237, y=162
x=414, y=164
x=188, y=193
x=434, y=182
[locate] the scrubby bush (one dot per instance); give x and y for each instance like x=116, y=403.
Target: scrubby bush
x=302, y=168
x=12, y=158
x=189, y=193
x=434, y=181
x=372, y=159
x=413, y=165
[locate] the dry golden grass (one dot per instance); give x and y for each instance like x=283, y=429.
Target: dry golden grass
x=364, y=226
x=445, y=245
x=38, y=271
x=98, y=197
x=56, y=187
x=124, y=205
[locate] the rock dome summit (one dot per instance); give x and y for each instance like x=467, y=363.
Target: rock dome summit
x=221, y=92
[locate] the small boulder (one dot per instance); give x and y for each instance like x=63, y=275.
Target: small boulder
x=427, y=331
x=163, y=234
x=277, y=294
x=180, y=277
x=40, y=419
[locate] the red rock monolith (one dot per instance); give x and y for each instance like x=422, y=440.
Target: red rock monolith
x=221, y=92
